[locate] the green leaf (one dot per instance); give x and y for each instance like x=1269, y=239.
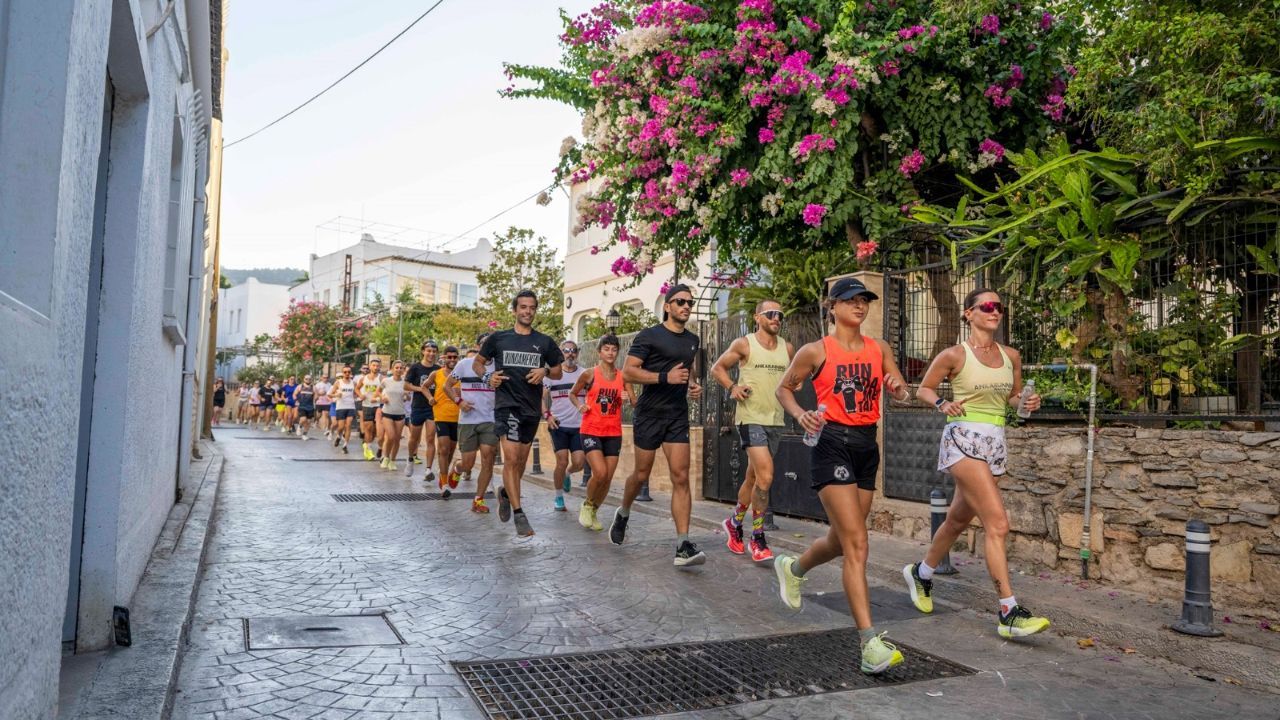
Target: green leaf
x=1264, y=259
x=1125, y=257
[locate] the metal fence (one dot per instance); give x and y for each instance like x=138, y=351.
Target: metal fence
x=1192, y=341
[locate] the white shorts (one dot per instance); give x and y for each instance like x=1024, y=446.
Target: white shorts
x=977, y=440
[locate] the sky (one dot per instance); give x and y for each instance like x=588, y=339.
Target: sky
x=418, y=138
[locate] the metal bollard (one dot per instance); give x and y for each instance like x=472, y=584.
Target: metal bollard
x=1197, y=608
x=644, y=493
x=537, y=457
x=937, y=515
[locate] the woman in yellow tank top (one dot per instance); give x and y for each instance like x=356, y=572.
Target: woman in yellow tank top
x=985, y=379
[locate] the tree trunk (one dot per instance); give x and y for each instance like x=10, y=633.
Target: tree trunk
x=853, y=233
x=1115, y=313
x=942, y=290
x=1248, y=357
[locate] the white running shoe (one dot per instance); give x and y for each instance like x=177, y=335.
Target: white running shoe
x=408, y=469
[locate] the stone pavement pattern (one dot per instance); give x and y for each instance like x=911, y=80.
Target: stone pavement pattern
x=458, y=586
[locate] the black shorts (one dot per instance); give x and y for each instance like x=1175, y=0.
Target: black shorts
x=846, y=455
x=219, y=405
x=392, y=418
x=610, y=445
x=447, y=430
x=566, y=439
x=651, y=432
x=421, y=416
x=370, y=413
x=344, y=413
x=512, y=426
x=307, y=413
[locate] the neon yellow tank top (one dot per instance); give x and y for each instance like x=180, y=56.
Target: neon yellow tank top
x=985, y=389
x=761, y=371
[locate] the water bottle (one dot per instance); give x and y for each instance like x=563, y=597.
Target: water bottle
x=1027, y=391
x=811, y=438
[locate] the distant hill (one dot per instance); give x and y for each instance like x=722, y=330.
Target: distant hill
x=270, y=276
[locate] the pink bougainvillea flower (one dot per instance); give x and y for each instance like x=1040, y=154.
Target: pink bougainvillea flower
x=866, y=250
x=765, y=136
x=1055, y=106
x=740, y=177
x=993, y=148
x=1046, y=21
x=912, y=163
x=990, y=25
x=813, y=214
x=890, y=68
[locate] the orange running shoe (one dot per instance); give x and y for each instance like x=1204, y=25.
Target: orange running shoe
x=478, y=506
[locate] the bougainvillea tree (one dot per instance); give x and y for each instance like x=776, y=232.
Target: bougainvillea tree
x=311, y=331
x=789, y=123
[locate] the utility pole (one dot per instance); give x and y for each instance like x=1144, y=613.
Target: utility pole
x=346, y=286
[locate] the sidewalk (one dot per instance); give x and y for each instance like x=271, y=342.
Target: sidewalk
x=460, y=587
x=1115, y=619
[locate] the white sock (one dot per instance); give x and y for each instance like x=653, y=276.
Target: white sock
x=924, y=570
x=560, y=491
x=1006, y=604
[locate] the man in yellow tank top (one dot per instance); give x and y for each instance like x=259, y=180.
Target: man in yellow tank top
x=761, y=358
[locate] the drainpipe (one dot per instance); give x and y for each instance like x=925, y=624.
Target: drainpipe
x=1085, y=539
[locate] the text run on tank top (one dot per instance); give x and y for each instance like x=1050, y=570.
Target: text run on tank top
x=761, y=371
x=849, y=383
x=604, y=405
x=984, y=390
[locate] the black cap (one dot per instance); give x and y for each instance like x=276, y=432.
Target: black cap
x=849, y=288
x=429, y=344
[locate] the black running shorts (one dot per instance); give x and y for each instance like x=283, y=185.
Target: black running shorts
x=512, y=426
x=846, y=455
x=652, y=432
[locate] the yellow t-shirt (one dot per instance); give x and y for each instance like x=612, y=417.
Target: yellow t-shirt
x=446, y=410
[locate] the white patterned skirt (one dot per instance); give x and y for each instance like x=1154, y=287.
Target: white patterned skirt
x=977, y=440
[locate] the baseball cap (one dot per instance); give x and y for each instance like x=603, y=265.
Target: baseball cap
x=849, y=288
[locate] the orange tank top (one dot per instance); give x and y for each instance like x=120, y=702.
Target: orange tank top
x=848, y=383
x=604, y=406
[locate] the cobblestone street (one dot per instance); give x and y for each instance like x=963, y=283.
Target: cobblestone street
x=458, y=586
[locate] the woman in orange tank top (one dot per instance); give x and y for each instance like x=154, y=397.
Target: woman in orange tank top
x=601, y=425
x=849, y=372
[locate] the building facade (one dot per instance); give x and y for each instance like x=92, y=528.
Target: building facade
x=591, y=289
x=246, y=310
x=379, y=271
x=105, y=114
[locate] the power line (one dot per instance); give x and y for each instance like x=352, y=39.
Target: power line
x=334, y=84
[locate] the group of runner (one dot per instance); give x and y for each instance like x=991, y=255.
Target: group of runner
x=495, y=397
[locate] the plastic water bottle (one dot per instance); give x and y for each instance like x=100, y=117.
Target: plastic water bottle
x=1027, y=391
x=811, y=438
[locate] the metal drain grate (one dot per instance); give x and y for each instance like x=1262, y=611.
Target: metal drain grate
x=637, y=682
x=399, y=497
x=263, y=437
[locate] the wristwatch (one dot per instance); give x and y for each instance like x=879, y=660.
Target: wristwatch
x=938, y=403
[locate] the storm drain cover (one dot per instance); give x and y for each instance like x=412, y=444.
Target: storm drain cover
x=400, y=497
x=318, y=631
x=637, y=682
x=263, y=437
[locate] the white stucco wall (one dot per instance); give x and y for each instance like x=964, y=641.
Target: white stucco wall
x=248, y=310
x=54, y=59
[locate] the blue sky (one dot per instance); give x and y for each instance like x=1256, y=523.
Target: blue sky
x=416, y=138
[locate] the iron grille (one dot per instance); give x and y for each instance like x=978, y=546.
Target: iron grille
x=637, y=682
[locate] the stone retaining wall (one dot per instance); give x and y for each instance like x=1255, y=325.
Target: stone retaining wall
x=1147, y=483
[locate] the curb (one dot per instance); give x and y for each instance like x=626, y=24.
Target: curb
x=1138, y=627
x=139, y=681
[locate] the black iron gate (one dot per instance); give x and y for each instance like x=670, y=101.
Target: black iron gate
x=724, y=459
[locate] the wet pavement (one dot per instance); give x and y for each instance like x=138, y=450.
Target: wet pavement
x=456, y=586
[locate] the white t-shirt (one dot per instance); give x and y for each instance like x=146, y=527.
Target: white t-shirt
x=395, y=394
x=561, y=407
x=475, y=391
x=344, y=394
x=370, y=387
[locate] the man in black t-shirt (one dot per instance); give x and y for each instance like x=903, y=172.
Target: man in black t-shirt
x=661, y=358
x=422, y=426
x=522, y=358
x=268, y=396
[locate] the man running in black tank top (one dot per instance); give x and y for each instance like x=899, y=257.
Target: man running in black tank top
x=523, y=358
x=661, y=358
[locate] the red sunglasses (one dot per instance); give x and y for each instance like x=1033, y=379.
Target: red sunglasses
x=991, y=306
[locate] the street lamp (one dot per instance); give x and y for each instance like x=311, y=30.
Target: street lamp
x=613, y=320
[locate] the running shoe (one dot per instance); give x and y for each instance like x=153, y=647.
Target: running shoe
x=430, y=477
x=504, y=505
x=585, y=514
x=689, y=554
x=408, y=469
x=417, y=460
x=734, y=541
x=391, y=465
x=382, y=464
x=523, y=529
x=921, y=590
x=379, y=453
x=1020, y=623
x=446, y=494
x=368, y=453
x=788, y=584
x=336, y=440
x=595, y=520
x=453, y=480
x=618, y=530
x=878, y=655
x=560, y=504
x=567, y=485
x=345, y=451
x=465, y=477
x=304, y=437
x=478, y=506
x=760, y=551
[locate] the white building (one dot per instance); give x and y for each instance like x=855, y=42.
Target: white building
x=247, y=310
x=591, y=289
x=106, y=115
x=382, y=271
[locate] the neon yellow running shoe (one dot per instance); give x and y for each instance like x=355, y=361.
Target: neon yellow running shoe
x=584, y=514
x=595, y=519
x=788, y=584
x=1020, y=623
x=921, y=590
x=368, y=452
x=878, y=656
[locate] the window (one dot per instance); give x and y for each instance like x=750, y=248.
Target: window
x=378, y=289
x=355, y=295
x=239, y=320
x=468, y=295
x=178, y=241
x=326, y=297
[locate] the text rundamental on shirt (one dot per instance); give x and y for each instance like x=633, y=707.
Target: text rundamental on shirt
x=515, y=355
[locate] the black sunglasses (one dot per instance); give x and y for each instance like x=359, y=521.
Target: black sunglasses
x=569, y=350
x=772, y=314
x=991, y=306
x=682, y=302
